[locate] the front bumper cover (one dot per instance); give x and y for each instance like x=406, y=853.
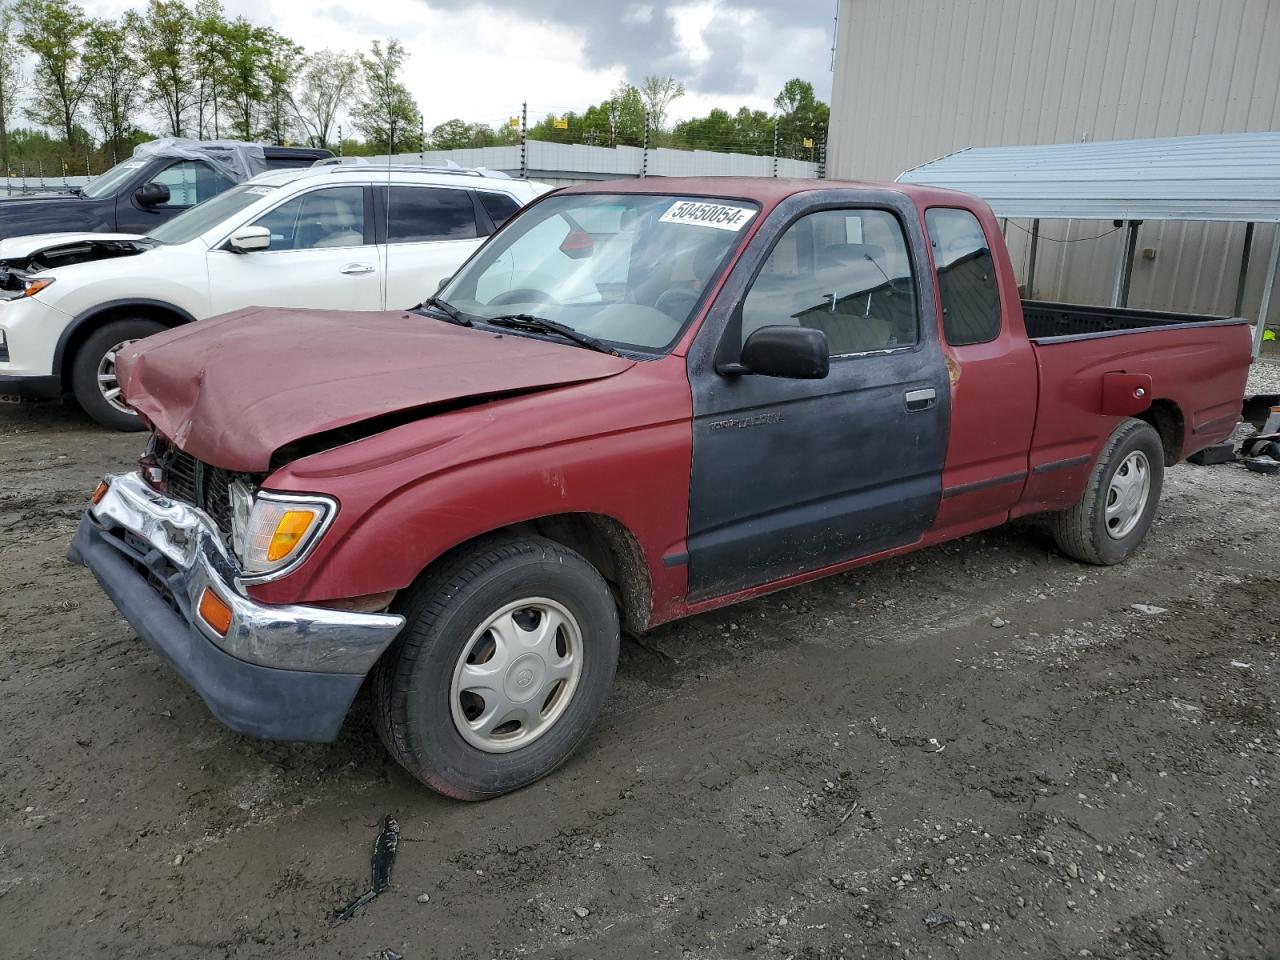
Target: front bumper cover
x=282, y=672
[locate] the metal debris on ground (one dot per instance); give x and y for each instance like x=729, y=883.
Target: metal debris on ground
x=937, y=918
x=1211, y=456
x=384, y=856
x=1149, y=610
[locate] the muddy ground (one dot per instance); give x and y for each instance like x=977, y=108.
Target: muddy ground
x=985, y=732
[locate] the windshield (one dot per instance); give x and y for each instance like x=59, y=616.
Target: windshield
x=628, y=269
x=109, y=182
x=190, y=224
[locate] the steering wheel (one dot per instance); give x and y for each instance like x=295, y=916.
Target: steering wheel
x=523, y=295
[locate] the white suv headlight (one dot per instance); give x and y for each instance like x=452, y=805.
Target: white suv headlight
x=277, y=531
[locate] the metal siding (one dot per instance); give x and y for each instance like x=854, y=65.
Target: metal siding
x=918, y=79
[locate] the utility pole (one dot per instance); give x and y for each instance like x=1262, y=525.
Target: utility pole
x=422, y=138
x=524, y=140
x=644, y=156
x=339, y=140
x=775, y=146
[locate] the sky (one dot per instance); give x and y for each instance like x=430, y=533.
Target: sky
x=479, y=60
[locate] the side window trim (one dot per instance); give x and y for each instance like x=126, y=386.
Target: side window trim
x=732, y=335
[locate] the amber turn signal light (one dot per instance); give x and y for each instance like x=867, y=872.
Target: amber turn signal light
x=99, y=492
x=291, y=529
x=215, y=612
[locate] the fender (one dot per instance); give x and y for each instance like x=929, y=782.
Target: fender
x=81, y=319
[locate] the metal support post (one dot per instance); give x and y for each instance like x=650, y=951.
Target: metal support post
x=1124, y=272
x=644, y=155
x=1268, y=284
x=775, y=146
x=1244, y=269
x=1031, y=266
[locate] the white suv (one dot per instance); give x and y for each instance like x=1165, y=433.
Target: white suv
x=333, y=236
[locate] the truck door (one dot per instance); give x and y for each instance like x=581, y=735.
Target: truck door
x=794, y=475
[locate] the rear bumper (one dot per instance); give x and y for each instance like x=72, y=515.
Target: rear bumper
x=286, y=672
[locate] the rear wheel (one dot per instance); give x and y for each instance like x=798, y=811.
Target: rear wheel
x=1112, y=518
x=501, y=669
x=93, y=372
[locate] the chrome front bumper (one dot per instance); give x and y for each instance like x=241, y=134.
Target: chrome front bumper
x=179, y=547
x=285, y=672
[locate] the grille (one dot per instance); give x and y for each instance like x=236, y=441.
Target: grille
x=195, y=482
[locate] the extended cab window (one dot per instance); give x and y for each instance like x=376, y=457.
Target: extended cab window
x=966, y=277
x=415, y=214
x=844, y=272
x=332, y=217
x=191, y=182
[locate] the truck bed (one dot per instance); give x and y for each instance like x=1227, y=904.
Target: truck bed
x=1048, y=322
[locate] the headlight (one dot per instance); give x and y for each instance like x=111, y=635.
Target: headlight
x=276, y=531
x=33, y=286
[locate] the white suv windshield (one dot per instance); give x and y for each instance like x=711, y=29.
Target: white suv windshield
x=628, y=269
x=185, y=227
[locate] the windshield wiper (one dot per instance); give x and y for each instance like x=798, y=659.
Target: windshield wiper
x=526, y=321
x=452, y=313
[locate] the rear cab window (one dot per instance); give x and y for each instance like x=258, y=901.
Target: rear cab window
x=967, y=286
x=500, y=207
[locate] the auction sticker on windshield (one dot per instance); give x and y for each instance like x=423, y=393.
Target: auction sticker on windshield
x=722, y=216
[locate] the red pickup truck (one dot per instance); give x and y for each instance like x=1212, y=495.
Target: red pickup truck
x=636, y=402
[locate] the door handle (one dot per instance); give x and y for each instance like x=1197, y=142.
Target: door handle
x=355, y=269
x=921, y=399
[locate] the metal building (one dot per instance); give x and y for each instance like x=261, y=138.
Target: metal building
x=917, y=79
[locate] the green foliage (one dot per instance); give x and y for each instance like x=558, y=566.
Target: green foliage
x=54, y=32
x=165, y=44
x=455, y=134
x=116, y=95
x=385, y=111
x=325, y=87
x=10, y=78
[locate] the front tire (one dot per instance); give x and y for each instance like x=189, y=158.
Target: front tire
x=501, y=670
x=1118, y=506
x=93, y=373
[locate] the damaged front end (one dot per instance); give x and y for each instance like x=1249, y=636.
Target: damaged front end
x=18, y=268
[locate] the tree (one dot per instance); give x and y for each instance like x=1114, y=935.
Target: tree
x=54, y=31
x=116, y=94
x=801, y=116
x=10, y=79
x=241, y=50
x=386, y=112
x=164, y=41
x=207, y=39
x=658, y=93
x=283, y=62
x=324, y=90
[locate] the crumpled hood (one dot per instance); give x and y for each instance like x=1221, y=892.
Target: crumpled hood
x=231, y=390
x=19, y=248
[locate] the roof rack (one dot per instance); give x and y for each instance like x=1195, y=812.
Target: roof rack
x=361, y=165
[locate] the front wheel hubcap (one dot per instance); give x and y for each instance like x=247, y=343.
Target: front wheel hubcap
x=1127, y=494
x=109, y=381
x=516, y=675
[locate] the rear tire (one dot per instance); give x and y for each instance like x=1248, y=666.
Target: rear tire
x=501, y=670
x=1119, y=504
x=93, y=372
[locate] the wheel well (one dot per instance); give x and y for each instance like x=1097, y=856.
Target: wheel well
x=1167, y=420
x=606, y=544
x=123, y=311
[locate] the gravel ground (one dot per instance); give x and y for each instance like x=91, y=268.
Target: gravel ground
x=1264, y=376
x=983, y=750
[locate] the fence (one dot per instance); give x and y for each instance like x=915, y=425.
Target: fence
x=562, y=163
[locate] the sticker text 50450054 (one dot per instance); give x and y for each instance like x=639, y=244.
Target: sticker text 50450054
x=722, y=216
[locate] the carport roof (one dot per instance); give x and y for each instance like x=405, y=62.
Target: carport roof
x=1214, y=177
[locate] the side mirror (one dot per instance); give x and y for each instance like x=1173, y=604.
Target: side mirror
x=795, y=353
x=249, y=239
x=441, y=284
x=151, y=194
